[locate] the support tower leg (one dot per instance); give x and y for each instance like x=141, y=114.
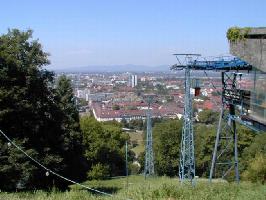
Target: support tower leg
x=225, y=153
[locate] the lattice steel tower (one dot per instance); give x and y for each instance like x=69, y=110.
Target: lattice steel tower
x=187, y=158
x=149, y=158
x=225, y=154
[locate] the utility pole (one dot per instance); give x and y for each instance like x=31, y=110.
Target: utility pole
x=127, y=164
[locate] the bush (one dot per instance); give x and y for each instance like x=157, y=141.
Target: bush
x=235, y=34
x=256, y=171
x=99, y=172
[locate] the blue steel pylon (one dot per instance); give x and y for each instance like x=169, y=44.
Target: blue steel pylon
x=187, y=157
x=149, y=159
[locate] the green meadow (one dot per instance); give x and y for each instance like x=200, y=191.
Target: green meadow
x=136, y=187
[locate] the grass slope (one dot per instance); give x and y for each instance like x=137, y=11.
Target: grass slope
x=152, y=188
x=137, y=137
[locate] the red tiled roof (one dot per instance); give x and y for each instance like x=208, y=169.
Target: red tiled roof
x=156, y=112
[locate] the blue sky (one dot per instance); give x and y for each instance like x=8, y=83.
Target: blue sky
x=141, y=32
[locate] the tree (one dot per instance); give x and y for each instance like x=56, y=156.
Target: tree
x=31, y=114
x=256, y=146
x=256, y=171
x=136, y=124
x=104, y=146
x=208, y=116
x=161, y=89
x=25, y=105
x=82, y=102
x=204, y=143
x=124, y=123
x=167, y=135
x=72, y=148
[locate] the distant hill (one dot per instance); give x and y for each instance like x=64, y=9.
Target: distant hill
x=114, y=68
x=132, y=68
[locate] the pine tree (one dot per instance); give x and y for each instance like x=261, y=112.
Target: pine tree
x=72, y=146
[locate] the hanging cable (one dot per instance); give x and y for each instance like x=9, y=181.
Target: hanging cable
x=219, y=93
x=211, y=82
x=50, y=171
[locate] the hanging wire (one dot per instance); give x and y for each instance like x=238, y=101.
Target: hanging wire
x=49, y=170
x=218, y=92
x=212, y=83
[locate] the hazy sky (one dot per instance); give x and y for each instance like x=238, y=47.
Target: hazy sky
x=144, y=32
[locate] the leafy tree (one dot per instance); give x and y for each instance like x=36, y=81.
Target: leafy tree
x=82, y=102
x=167, y=137
x=104, y=144
x=136, y=124
x=16, y=165
x=32, y=114
x=256, y=146
x=161, y=89
x=256, y=171
x=124, y=123
x=208, y=116
x=113, y=123
x=204, y=144
x=245, y=139
x=27, y=108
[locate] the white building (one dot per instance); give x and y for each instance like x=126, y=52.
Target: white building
x=82, y=93
x=133, y=81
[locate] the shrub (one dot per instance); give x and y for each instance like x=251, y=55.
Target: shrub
x=99, y=172
x=235, y=34
x=256, y=171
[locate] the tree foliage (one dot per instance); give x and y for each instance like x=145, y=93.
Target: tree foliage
x=235, y=34
x=204, y=143
x=104, y=145
x=34, y=114
x=167, y=137
x=99, y=172
x=72, y=137
x=256, y=171
x=208, y=117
